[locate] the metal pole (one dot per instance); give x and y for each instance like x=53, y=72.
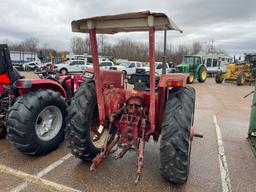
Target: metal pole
x=96, y=70
x=152, y=76
x=164, y=56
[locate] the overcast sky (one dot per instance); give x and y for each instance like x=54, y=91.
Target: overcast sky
x=230, y=23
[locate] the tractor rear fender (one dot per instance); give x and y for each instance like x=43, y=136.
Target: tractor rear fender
x=27, y=85
x=173, y=80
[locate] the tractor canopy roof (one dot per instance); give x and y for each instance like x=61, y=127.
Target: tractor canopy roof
x=127, y=22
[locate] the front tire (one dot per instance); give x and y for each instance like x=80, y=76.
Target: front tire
x=190, y=79
x=240, y=79
x=35, y=122
x=86, y=137
x=219, y=77
x=175, y=144
x=202, y=74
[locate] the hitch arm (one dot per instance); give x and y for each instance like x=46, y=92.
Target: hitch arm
x=140, y=161
x=140, y=157
x=103, y=154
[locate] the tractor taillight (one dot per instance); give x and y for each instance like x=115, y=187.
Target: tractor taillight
x=174, y=83
x=19, y=84
x=4, y=79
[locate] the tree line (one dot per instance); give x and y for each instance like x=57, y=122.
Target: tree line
x=123, y=48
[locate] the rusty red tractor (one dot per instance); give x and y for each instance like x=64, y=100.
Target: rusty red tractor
x=104, y=113
x=32, y=111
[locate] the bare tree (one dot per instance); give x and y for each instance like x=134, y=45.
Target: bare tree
x=126, y=48
x=179, y=53
x=30, y=44
x=101, y=41
x=79, y=45
x=196, y=48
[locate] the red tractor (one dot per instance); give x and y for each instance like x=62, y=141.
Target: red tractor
x=32, y=110
x=104, y=113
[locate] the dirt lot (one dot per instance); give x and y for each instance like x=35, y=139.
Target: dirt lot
x=216, y=106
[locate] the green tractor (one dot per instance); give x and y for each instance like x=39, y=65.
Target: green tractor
x=192, y=64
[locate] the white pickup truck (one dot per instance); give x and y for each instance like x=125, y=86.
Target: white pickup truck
x=128, y=67
x=106, y=64
x=159, y=68
x=71, y=66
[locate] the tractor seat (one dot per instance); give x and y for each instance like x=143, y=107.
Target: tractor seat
x=17, y=75
x=6, y=66
x=141, y=81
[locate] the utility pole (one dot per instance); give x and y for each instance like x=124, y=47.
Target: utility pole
x=164, y=56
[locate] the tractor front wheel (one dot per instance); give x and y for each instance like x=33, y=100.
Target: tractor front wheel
x=202, y=74
x=86, y=137
x=35, y=122
x=175, y=144
x=240, y=79
x=190, y=79
x=219, y=77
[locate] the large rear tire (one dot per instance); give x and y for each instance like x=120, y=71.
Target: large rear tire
x=175, y=143
x=82, y=121
x=35, y=122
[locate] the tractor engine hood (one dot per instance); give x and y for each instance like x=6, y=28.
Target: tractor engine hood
x=180, y=68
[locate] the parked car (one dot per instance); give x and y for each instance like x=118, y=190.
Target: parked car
x=159, y=68
x=71, y=66
x=33, y=65
x=30, y=66
x=106, y=64
x=128, y=67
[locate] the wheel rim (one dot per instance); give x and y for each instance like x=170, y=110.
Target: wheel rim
x=222, y=77
x=99, y=134
x=63, y=71
x=191, y=78
x=204, y=74
x=48, y=123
